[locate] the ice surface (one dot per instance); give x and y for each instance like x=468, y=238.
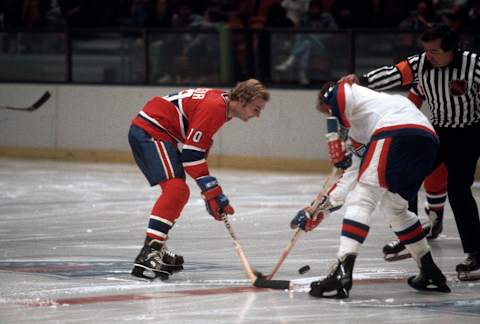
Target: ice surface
x=70, y=231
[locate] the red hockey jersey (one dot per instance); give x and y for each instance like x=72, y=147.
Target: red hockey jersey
x=190, y=117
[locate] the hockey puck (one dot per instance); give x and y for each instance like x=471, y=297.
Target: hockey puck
x=304, y=269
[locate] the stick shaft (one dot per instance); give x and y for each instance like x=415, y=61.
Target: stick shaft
x=296, y=235
x=238, y=248
x=285, y=253
x=325, y=188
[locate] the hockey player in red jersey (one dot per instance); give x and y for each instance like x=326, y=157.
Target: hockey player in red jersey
x=188, y=119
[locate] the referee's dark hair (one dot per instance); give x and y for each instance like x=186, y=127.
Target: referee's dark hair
x=441, y=31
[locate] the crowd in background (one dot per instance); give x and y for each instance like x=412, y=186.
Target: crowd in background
x=322, y=14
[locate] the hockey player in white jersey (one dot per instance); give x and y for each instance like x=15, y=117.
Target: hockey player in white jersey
x=400, y=149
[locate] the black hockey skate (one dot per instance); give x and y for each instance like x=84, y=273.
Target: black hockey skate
x=436, y=221
x=465, y=269
x=155, y=261
x=173, y=262
x=395, y=250
x=338, y=282
x=430, y=277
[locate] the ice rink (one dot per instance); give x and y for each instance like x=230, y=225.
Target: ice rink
x=70, y=231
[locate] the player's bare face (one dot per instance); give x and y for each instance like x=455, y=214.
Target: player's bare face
x=252, y=109
x=436, y=55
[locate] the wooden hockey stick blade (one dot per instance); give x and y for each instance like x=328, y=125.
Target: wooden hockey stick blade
x=272, y=284
x=37, y=104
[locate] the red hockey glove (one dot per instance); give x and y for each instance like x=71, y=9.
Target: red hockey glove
x=337, y=154
x=309, y=217
x=216, y=202
x=306, y=221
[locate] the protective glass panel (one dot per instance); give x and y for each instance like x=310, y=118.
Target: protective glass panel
x=32, y=56
x=108, y=58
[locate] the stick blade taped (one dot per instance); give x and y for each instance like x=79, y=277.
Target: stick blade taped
x=272, y=284
x=41, y=101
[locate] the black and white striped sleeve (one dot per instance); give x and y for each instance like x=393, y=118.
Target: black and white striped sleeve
x=387, y=77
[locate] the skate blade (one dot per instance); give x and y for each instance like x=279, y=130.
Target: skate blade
x=333, y=294
x=173, y=268
x=396, y=257
x=434, y=288
x=148, y=274
x=430, y=287
x=468, y=276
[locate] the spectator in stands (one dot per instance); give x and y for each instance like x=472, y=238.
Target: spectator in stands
x=422, y=17
x=353, y=13
x=239, y=12
x=305, y=44
x=89, y=13
x=184, y=16
x=295, y=9
x=473, y=14
x=458, y=15
x=162, y=13
x=277, y=17
x=25, y=13
x=200, y=49
x=34, y=13
x=54, y=15
x=446, y=7
x=389, y=13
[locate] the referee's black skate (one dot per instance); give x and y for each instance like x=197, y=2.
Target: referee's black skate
x=436, y=221
x=430, y=277
x=395, y=250
x=155, y=261
x=338, y=282
x=467, y=271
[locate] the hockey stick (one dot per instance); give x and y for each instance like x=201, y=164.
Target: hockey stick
x=285, y=252
x=254, y=276
x=37, y=104
x=296, y=235
x=332, y=129
x=238, y=248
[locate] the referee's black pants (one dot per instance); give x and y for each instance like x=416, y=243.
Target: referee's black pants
x=460, y=150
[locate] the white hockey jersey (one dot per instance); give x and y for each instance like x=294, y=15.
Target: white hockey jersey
x=369, y=114
x=366, y=112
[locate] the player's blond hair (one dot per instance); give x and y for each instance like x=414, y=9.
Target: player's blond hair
x=249, y=90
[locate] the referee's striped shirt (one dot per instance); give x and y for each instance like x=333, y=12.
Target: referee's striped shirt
x=452, y=92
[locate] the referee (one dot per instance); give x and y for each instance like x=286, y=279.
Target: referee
x=449, y=80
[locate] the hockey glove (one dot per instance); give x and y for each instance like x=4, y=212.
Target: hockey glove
x=309, y=217
x=216, y=202
x=337, y=154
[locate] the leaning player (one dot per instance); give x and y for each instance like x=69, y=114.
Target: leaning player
x=435, y=186
x=401, y=146
x=189, y=119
